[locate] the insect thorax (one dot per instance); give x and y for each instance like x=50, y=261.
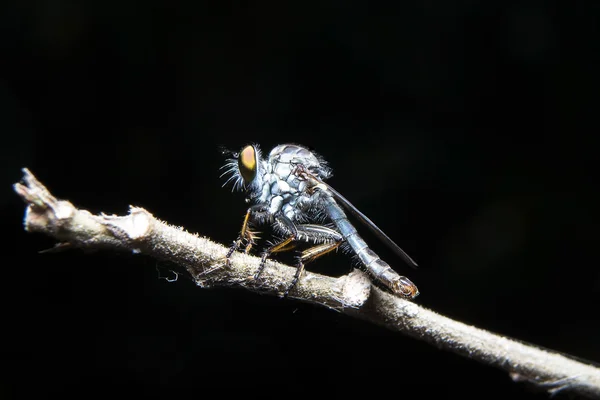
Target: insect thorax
x=283, y=188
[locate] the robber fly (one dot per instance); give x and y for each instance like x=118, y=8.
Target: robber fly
x=288, y=190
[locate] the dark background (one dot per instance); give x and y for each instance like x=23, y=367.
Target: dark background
x=467, y=131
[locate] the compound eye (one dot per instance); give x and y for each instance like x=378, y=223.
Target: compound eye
x=247, y=163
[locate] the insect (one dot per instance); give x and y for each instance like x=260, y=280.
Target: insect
x=288, y=190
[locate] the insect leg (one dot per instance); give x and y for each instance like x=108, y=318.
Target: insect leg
x=330, y=240
x=288, y=226
x=326, y=240
x=307, y=256
x=245, y=233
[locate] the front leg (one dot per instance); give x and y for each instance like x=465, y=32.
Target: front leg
x=246, y=234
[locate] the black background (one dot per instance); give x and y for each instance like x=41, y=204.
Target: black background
x=467, y=131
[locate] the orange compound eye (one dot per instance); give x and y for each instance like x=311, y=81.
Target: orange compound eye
x=247, y=163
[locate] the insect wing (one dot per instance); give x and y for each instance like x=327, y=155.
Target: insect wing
x=374, y=228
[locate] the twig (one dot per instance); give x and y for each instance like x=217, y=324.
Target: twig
x=352, y=294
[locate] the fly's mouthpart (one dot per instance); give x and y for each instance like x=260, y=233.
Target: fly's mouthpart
x=405, y=288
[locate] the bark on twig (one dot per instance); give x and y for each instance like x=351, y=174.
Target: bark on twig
x=352, y=294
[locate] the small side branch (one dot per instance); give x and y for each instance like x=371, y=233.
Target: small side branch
x=141, y=233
